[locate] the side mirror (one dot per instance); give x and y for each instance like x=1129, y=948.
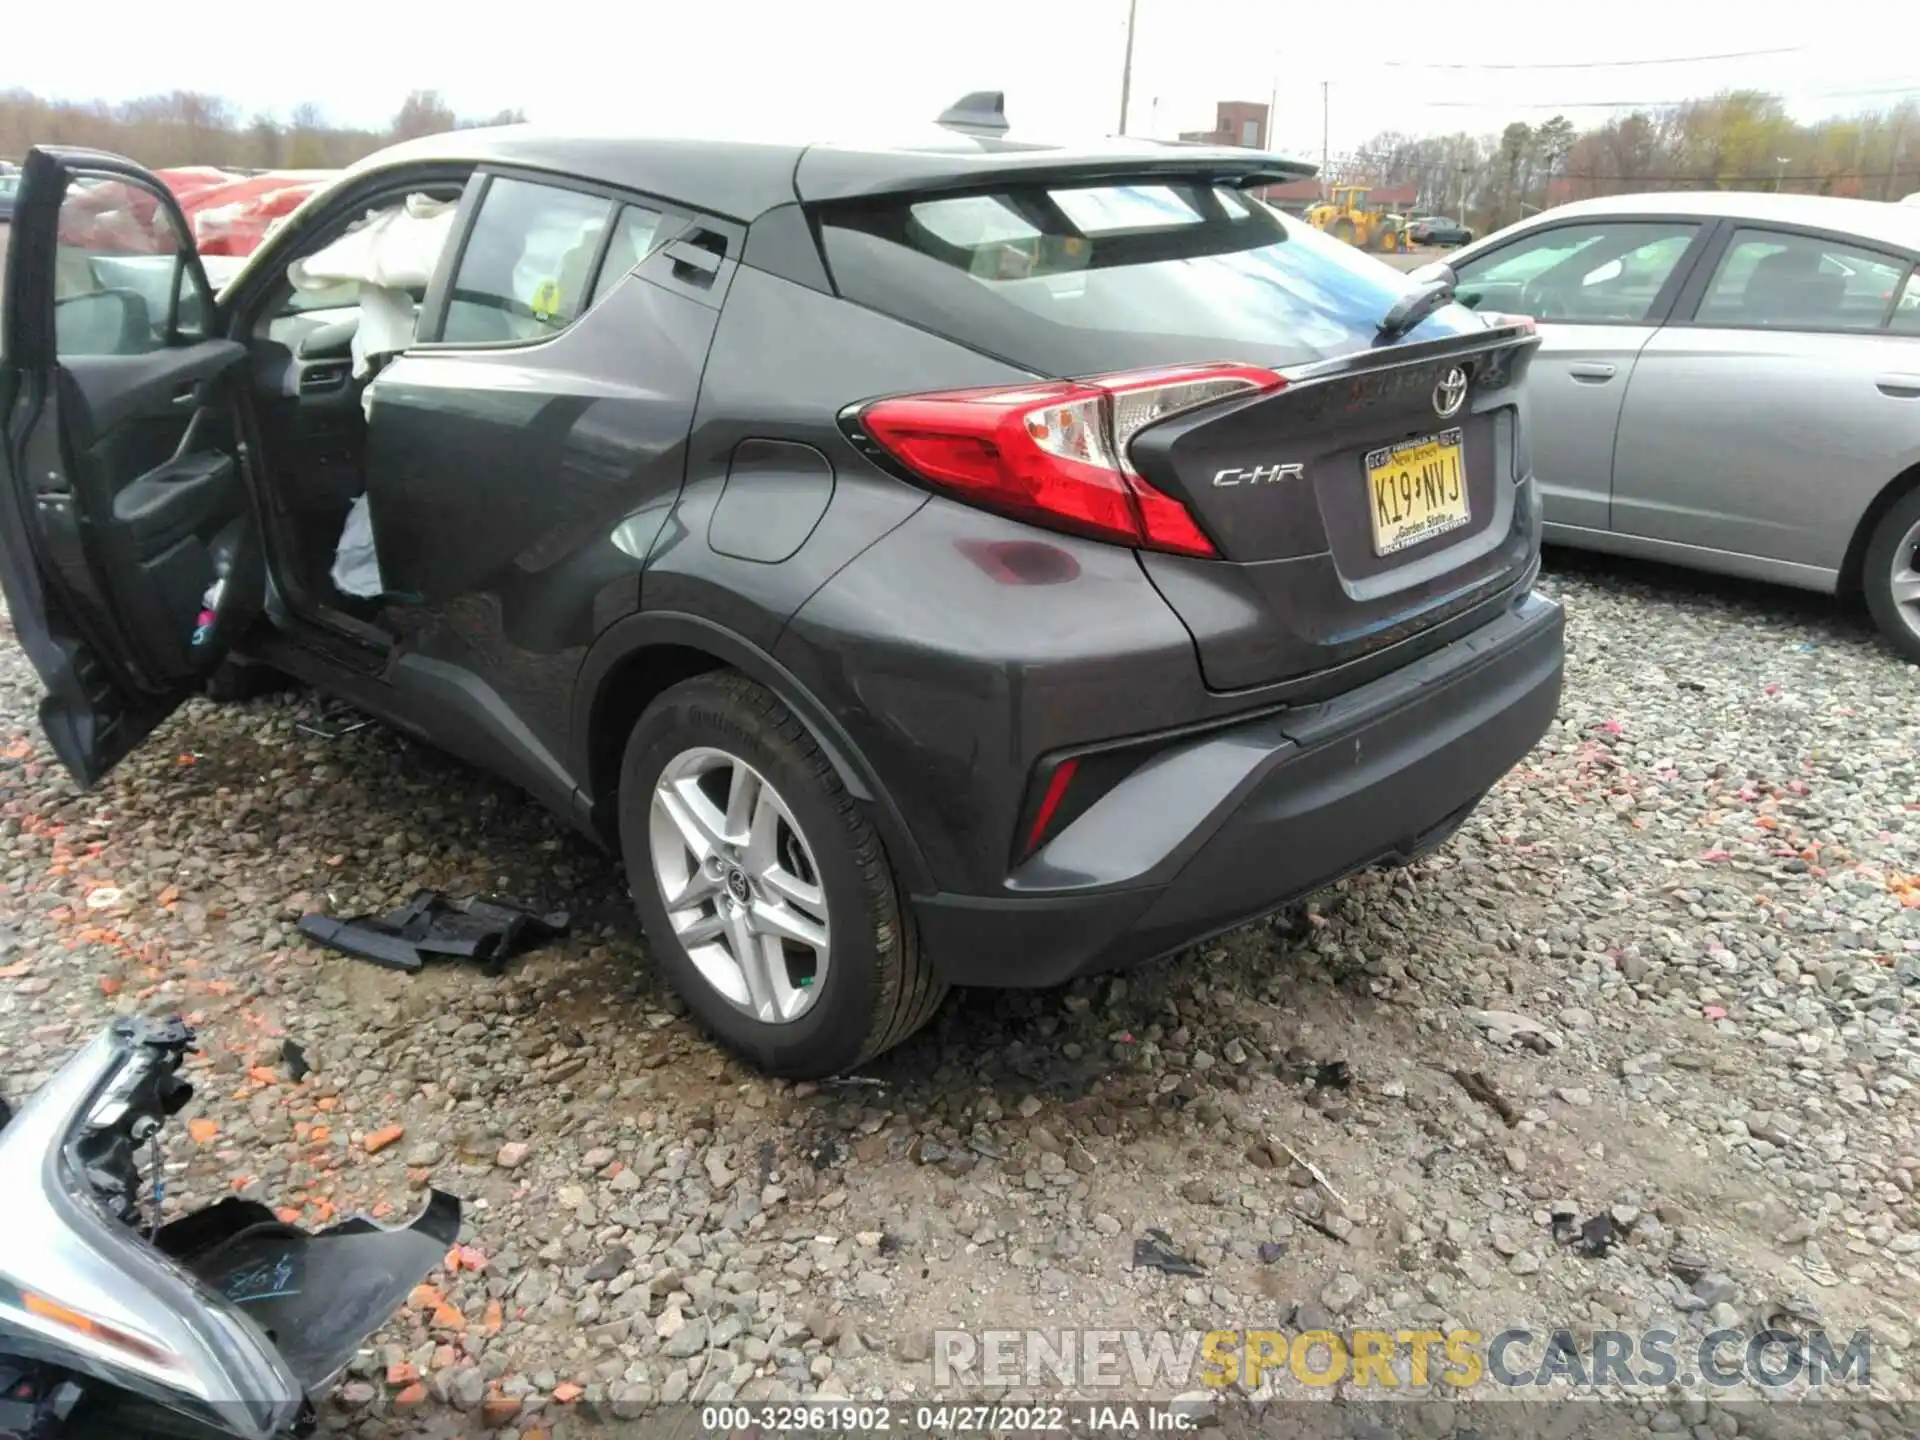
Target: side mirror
x=1434, y=272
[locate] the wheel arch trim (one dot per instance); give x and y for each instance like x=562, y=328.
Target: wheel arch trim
x=628, y=639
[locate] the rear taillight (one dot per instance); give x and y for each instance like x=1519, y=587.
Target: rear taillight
x=1055, y=452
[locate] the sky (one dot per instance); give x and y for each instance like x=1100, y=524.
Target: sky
x=829, y=68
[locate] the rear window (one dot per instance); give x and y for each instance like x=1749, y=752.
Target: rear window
x=1074, y=280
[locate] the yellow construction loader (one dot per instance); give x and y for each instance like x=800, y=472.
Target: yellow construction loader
x=1346, y=216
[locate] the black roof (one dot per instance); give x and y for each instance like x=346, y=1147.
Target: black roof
x=743, y=178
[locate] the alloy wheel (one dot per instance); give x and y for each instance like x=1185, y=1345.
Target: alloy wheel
x=738, y=880
x=1904, y=582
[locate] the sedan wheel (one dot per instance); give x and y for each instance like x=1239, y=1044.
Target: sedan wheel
x=1890, y=576
x=740, y=884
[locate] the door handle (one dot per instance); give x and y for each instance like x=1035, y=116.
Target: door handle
x=1900, y=387
x=186, y=396
x=1591, y=372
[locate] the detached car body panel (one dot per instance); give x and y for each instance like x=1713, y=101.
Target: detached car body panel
x=129, y=1319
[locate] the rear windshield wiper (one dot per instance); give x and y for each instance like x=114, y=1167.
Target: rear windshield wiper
x=1410, y=309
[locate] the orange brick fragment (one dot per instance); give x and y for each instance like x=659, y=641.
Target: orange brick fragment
x=448, y=1317
x=566, y=1392
x=425, y=1297
x=203, y=1129
x=491, y=1322
x=410, y=1398
x=402, y=1375
x=498, y=1410
x=381, y=1139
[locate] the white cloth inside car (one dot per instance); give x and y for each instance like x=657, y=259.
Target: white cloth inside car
x=356, y=568
x=388, y=257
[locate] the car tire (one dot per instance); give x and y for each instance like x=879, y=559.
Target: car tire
x=1890, y=556
x=878, y=987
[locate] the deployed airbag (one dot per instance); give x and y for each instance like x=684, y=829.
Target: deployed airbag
x=388, y=254
x=356, y=567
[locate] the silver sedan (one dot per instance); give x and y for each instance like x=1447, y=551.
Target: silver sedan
x=1727, y=381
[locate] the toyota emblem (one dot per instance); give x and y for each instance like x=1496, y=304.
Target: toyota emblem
x=1450, y=394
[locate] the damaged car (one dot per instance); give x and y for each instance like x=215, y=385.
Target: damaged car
x=957, y=559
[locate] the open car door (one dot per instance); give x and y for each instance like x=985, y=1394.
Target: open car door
x=129, y=553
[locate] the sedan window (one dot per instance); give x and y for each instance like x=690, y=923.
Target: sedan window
x=1609, y=272
x=1799, y=282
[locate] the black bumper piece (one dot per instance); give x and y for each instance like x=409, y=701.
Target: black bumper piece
x=1268, y=812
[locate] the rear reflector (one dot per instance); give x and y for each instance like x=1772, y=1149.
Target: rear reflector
x=1055, y=452
x=1057, y=784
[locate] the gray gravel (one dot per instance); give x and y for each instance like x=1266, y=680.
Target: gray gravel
x=1679, y=947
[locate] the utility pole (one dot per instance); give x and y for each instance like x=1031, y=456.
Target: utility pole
x=1323, y=137
x=1126, y=68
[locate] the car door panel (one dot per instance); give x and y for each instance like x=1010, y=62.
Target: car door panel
x=125, y=514
x=562, y=458
x=1574, y=391
x=1756, y=425
x=1761, y=443
x=1597, y=286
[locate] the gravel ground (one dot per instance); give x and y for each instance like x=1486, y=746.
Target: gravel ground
x=1680, y=943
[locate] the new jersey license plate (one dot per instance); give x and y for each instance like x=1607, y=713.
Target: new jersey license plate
x=1418, y=490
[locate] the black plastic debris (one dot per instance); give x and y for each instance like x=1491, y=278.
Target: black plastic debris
x=1154, y=1251
x=1334, y=1075
x=1565, y=1224
x=1597, y=1236
x=1595, y=1239
x=491, y=931
x=295, y=1059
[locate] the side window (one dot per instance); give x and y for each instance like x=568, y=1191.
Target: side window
x=1609, y=272
x=1906, y=314
x=635, y=234
x=1799, y=282
x=527, y=263
x=122, y=282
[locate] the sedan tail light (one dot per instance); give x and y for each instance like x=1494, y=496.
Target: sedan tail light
x=1055, y=452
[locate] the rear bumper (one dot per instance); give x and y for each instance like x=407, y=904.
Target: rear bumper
x=1244, y=820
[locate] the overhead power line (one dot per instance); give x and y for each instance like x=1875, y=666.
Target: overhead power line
x=1589, y=64
x=1913, y=89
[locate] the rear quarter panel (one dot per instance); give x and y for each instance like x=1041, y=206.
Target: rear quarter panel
x=786, y=360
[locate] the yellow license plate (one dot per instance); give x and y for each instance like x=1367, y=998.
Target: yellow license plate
x=1418, y=489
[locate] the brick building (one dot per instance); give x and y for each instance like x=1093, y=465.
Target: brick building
x=1235, y=122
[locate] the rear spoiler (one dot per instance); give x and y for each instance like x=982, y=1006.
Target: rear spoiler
x=829, y=172
x=826, y=174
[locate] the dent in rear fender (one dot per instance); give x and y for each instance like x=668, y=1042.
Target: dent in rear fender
x=964, y=646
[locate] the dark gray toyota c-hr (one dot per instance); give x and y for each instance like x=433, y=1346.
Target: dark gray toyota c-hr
x=962, y=561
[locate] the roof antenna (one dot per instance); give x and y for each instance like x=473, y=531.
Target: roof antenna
x=984, y=111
